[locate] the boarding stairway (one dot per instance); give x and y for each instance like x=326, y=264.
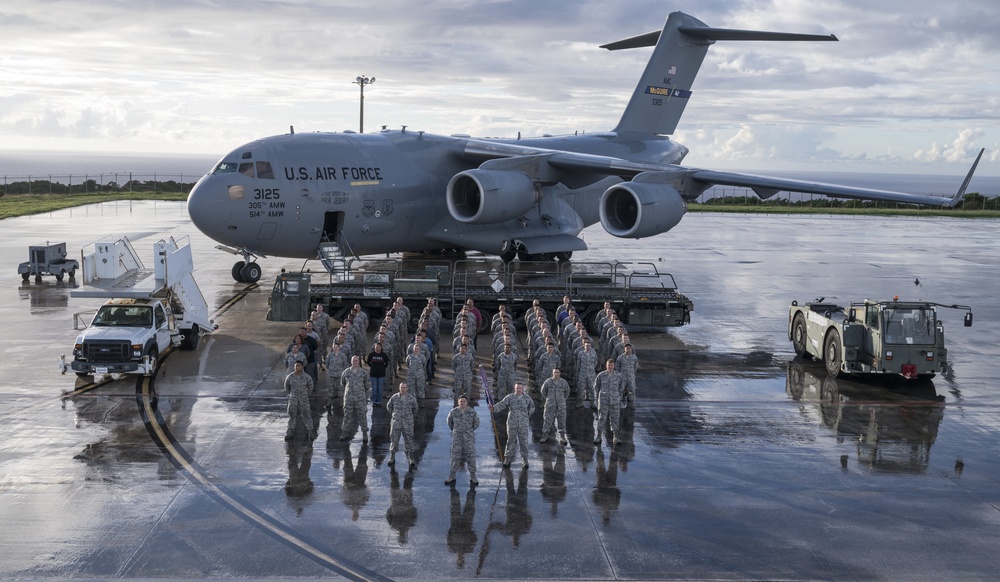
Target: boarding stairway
x=113, y=270
x=332, y=258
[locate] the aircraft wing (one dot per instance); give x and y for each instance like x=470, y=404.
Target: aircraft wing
x=695, y=181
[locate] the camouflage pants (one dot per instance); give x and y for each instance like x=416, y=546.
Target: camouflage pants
x=298, y=407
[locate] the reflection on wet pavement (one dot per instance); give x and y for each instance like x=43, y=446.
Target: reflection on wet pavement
x=739, y=460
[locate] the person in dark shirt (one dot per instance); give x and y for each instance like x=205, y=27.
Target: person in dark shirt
x=377, y=362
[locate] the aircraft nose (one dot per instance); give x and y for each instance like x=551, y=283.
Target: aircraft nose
x=206, y=205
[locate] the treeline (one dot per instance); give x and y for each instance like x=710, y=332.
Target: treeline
x=91, y=186
x=972, y=201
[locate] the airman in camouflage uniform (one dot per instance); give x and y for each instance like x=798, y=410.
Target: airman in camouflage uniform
x=402, y=406
x=586, y=370
x=321, y=323
x=520, y=407
x=299, y=385
x=506, y=372
x=608, y=386
x=627, y=364
x=337, y=361
x=416, y=371
x=546, y=362
x=462, y=363
x=357, y=391
x=555, y=391
x=294, y=355
x=463, y=421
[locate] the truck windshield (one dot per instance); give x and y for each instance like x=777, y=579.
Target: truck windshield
x=910, y=325
x=124, y=316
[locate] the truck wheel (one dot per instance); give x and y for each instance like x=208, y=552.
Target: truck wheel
x=250, y=273
x=238, y=271
x=833, y=352
x=799, y=336
x=190, y=341
x=72, y=273
x=60, y=275
x=25, y=276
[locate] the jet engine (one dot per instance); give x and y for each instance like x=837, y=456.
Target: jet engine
x=640, y=209
x=490, y=196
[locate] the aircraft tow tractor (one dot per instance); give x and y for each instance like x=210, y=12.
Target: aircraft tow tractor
x=873, y=337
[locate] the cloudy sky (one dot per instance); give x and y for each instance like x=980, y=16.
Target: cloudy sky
x=912, y=86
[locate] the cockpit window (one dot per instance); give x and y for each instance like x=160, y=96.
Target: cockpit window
x=224, y=168
x=246, y=169
x=264, y=170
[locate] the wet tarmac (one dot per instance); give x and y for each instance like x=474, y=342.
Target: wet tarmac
x=740, y=461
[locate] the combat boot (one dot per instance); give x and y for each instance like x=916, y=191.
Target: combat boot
x=413, y=463
x=450, y=480
x=392, y=460
x=472, y=479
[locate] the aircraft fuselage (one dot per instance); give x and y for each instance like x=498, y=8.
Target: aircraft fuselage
x=382, y=193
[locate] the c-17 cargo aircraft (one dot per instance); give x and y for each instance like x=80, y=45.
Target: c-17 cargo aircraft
x=315, y=195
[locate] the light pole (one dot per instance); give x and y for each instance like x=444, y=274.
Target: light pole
x=361, y=82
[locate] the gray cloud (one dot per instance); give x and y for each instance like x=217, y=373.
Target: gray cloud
x=208, y=75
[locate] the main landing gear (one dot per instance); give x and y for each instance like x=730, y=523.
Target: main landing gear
x=509, y=250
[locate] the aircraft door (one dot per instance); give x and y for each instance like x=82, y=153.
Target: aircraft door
x=333, y=231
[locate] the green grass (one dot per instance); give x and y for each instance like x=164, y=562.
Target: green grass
x=776, y=209
x=27, y=204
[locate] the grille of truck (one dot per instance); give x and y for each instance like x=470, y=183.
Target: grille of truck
x=109, y=351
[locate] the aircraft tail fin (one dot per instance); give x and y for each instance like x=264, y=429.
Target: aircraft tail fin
x=665, y=86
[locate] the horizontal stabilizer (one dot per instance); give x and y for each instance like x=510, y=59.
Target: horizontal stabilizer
x=713, y=34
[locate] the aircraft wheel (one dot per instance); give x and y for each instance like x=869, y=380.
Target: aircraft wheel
x=522, y=254
x=250, y=273
x=25, y=276
x=238, y=271
x=508, y=251
x=799, y=336
x=564, y=256
x=833, y=352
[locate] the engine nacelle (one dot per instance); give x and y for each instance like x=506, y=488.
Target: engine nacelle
x=637, y=209
x=490, y=196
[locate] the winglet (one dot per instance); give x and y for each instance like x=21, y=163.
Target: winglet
x=960, y=195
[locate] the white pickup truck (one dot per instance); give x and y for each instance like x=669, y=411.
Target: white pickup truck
x=140, y=320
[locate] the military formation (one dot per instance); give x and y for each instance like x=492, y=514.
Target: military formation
x=557, y=362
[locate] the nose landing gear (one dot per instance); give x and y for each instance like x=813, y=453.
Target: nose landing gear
x=247, y=270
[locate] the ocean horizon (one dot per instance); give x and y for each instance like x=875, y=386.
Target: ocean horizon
x=75, y=168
